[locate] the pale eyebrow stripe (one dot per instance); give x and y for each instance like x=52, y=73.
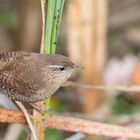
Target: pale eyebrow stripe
x=55, y=66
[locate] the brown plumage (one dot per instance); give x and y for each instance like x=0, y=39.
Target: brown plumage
x=31, y=77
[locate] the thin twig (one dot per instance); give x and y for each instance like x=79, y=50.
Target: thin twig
x=124, y=88
x=27, y=116
x=74, y=125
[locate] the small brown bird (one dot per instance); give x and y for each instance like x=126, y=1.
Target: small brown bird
x=32, y=77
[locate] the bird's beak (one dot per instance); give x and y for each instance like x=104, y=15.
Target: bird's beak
x=77, y=67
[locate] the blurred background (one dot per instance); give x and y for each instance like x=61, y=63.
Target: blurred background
x=101, y=35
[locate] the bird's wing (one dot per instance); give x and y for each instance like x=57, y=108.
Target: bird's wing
x=21, y=77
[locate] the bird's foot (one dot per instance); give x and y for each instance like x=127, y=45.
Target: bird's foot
x=39, y=109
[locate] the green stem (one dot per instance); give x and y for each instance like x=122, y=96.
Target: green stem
x=49, y=25
x=53, y=19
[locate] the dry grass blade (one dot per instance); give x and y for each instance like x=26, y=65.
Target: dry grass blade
x=37, y=118
x=43, y=3
x=27, y=116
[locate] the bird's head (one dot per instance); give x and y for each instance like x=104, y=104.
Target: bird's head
x=60, y=68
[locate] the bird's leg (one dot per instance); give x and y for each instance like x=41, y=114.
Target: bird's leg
x=38, y=108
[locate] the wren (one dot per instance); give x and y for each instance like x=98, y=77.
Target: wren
x=32, y=77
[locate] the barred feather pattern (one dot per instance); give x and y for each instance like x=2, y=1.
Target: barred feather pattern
x=27, y=77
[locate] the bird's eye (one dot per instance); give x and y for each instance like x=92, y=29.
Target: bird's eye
x=62, y=68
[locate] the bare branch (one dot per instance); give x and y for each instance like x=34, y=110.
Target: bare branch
x=124, y=88
x=73, y=124
x=11, y=116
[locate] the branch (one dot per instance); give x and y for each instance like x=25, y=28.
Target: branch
x=132, y=88
x=73, y=124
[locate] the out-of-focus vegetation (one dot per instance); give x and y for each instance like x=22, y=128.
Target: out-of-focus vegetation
x=7, y=19
x=20, y=29
x=52, y=134
x=123, y=104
